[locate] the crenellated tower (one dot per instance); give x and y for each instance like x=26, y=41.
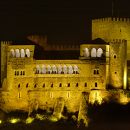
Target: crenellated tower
x=4, y=46
x=112, y=28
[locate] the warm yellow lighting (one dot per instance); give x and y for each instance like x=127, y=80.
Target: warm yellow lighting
x=0, y=121
x=123, y=99
x=40, y=117
x=14, y=120
x=29, y=120
x=53, y=119
x=95, y=96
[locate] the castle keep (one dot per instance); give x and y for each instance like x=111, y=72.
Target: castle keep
x=29, y=84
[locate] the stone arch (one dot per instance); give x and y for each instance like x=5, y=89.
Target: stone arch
x=17, y=53
x=59, y=69
x=38, y=69
x=76, y=69
x=86, y=52
x=22, y=53
x=27, y=52
x=65, y=69
x=93, y=52
x=12, y=53
x=70, y=69
x=43, y=69
x=99, y=52
x=49, y=69
x=54, y=69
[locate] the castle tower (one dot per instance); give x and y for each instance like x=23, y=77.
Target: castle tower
x=19, y=61
x=118, y=64
x=112, y=28
x=4, y=45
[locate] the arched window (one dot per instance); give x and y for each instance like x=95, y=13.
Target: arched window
x=77, y=84
x=65, y=69
x=38, y=69
x=35, y=85
x=54, y=69
x=70, y=69
x=76, y=69
x=60, y=85
x=18, y=85
x=43, y=85
x=86, y=52
x=68, y=84
x=49, y=69
x=43, y=69
x=99, y=52
x=12, y=53
x=27, y=85
x=85, y=85
x=59, y=69
x=17, y=72
x=22, y=53
x=95, y=72
x=52, y=85
x=95, y=84
x=93, y=52
x=27, y=52
x=17, y=53
x=21, y=73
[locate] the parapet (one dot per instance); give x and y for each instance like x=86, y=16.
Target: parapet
x=6, y=42
x=111, y=19
x=118, y=41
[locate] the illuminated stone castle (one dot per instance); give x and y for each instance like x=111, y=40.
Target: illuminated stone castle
x=29, y=84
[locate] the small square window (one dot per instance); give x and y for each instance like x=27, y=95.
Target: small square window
x=21, y=73
x=85, y=85
x=115, y=72
x=94, y=71
x=114, y=56
x=97, y=71
x=68, y=84
x=17, y=72
x=60, y=85
x=43, y=85
x=18, y=85
x=35, y=86
x=96, y=84
x=27, y=85
x=51, y=85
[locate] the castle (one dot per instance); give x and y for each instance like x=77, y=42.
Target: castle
x=29, y=84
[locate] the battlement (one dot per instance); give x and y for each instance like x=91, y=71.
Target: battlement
x=111, y=19
x=118, y=41
x=6, y=42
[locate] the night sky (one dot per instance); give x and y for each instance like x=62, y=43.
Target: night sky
x=59, y=19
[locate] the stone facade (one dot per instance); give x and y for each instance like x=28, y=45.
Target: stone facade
x=30, y=84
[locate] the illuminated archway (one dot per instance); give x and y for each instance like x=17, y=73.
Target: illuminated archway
x=27, y=52
x=38, y=69
x=86, y=52
x=17, y=53
x=12, y=53
x=99, y=52
x=22, y=53
x=93, y=52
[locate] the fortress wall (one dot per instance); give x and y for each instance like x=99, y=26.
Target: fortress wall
x=117, y=63
x=108, y=29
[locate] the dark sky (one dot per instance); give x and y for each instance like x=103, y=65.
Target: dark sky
x=59, y=19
